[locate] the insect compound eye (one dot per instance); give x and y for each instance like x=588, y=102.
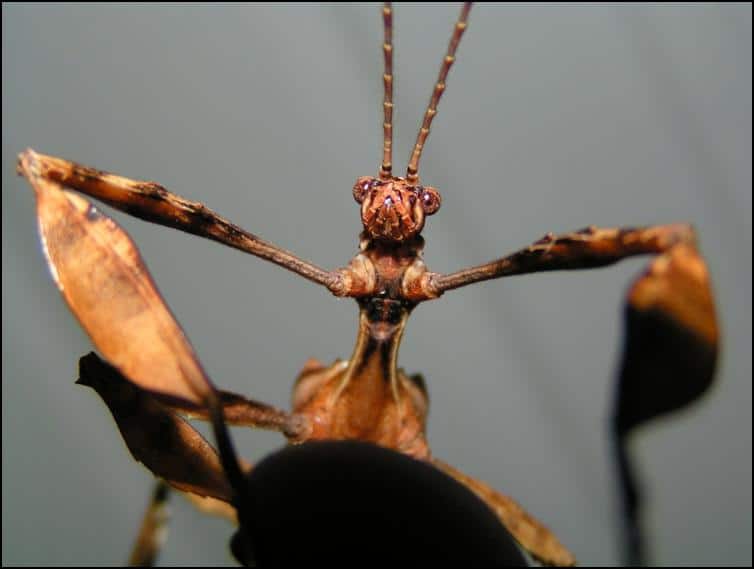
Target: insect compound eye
x=362, y=186
x=430, y=199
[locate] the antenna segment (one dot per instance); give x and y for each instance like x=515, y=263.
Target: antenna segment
x=412, y=173
x=387, y=104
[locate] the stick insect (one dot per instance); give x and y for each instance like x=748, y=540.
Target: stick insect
x=430, y=379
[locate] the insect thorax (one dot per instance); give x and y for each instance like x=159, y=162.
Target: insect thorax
x=385, y=269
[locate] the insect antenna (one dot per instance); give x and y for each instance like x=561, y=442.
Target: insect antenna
x=387, y=104
x=412, y=173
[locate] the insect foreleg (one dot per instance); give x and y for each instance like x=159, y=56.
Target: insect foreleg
x=588, y=248
x=151, y=202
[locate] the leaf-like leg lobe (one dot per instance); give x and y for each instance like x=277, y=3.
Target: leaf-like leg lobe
x=166, y=444
x=102, y=277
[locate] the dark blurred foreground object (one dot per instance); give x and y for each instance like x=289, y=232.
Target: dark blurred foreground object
x=338, y=502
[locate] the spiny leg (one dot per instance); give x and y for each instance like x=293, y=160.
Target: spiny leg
x=671, y=343
x=153, y=203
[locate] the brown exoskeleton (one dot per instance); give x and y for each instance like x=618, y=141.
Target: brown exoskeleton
x=368, y=397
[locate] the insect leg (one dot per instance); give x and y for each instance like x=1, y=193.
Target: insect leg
x=153, y=529
x=156, y=436
x=240, y=411
x=103, y=279
x=535, y=538
x=672, y=340
x=588, y=248
x=151, y=202
x=671, y=345
x=152, y=532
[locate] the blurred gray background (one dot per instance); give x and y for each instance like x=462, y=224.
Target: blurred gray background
x=555, y=117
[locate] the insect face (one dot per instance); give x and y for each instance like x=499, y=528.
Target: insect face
x=392, y=209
